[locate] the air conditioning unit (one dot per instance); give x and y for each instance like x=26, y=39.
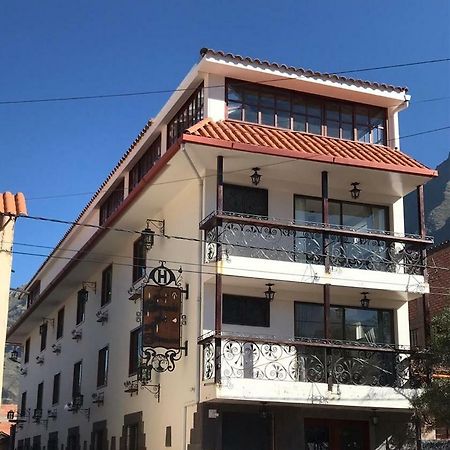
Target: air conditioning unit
x=102, y=316
x=39, y=359
x=77, y=334
x=56, y=348
x=23, y=371
x=98, y=398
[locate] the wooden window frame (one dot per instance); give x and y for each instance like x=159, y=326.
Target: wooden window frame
x=178, y=124
x=248, y=304
x=77, y=378
x=43, y=331
x=60, y=323
x=81, y=310
x=106, y=294
x=145, y=163
x=23, y=404
x=308, y=98
x=102, y=367
x=40, y=396
x=56, y=388
x=26, y=358
x=134, y=347
x=112, y=201
x=139, y=259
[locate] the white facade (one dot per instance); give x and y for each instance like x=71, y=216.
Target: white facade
x=181, y=190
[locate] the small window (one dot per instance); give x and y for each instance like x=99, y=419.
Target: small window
x=81, y=305
x=414, y=338
x=23, y=404
x=139, y=259
x=33, y=292
x=56, y=387
x=76, y=382
x=43, y=329
x=60, y=324
x=135, y=343
x=112, y=202
x=40, y=396
x=102, y=367
x=145, y=163
x=250, y=311
x=27, y=350
x=106, y=286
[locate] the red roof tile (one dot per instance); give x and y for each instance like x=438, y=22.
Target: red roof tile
x=12, y=205
x=303, y=72
x=275, y=141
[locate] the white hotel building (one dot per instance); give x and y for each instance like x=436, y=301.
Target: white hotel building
x=279, y=192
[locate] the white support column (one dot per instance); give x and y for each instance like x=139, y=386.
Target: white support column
x=402, y=324
x=214, y=96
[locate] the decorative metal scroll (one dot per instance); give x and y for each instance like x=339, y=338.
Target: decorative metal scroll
x=259, y=360
x=161, y=322
x=283, y=243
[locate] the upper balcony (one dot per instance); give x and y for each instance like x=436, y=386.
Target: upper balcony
x=314, y=252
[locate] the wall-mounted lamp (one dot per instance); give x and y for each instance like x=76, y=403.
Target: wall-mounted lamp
x=269, y=293
x=14, y=356
x=255, y=176
x=355, y=191
x=149, y=235
x=365, y=301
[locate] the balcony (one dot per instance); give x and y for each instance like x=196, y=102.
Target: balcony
x=231, y=235
x=290, y=370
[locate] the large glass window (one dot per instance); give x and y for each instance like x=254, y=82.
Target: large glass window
x=346, y=323
x=242, y=310
x=56, y=388
x=189, y=114
x=60, y=324
x=303, y=112
x=139, y=259
x=102, y=366
x=106, y=294
x=145, y=163
x=112, y=202
x=76, y=381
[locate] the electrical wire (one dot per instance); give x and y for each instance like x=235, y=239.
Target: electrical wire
x=170, y=91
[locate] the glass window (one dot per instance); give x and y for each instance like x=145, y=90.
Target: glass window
x=132, y=437
x=81, y=306
x=189, y=114
x=76, y=381
x=145, y=163
x=112, y=202
x=309, y=320
x=23, y=404
x=27, y=350
x=135, y=345
x=40, y=396
x=106, y=286
x=241, y=310
x=102, y=366
x=56, y=387
x=60, y=324
x=346, y=323
x=308, y=113
x=139, y=259
x=43, y=329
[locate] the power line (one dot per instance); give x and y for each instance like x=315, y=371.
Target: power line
x=426, y=132
x=170, y=91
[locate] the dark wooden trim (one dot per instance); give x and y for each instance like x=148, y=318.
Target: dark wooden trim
x=325, y=220
x=326, y=311
x=219, y=187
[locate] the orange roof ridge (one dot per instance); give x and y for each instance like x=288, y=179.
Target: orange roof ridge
x=244, y=136
x=13, y=205
x=198, y=125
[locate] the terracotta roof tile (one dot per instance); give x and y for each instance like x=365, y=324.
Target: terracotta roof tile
x=304, y=72
x=295, y=144
x=12, y=205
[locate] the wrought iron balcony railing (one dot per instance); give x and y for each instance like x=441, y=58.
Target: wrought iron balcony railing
x=310, y=360
x=230, y=234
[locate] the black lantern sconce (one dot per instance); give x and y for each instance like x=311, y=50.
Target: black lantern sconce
x=83, y=293
x=365, y=301
x=255, y=176
x=148, y=235
x=269, y=293
x=14, y=356
x=355, y=191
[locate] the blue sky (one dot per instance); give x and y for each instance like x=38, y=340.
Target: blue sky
x=58, y=49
